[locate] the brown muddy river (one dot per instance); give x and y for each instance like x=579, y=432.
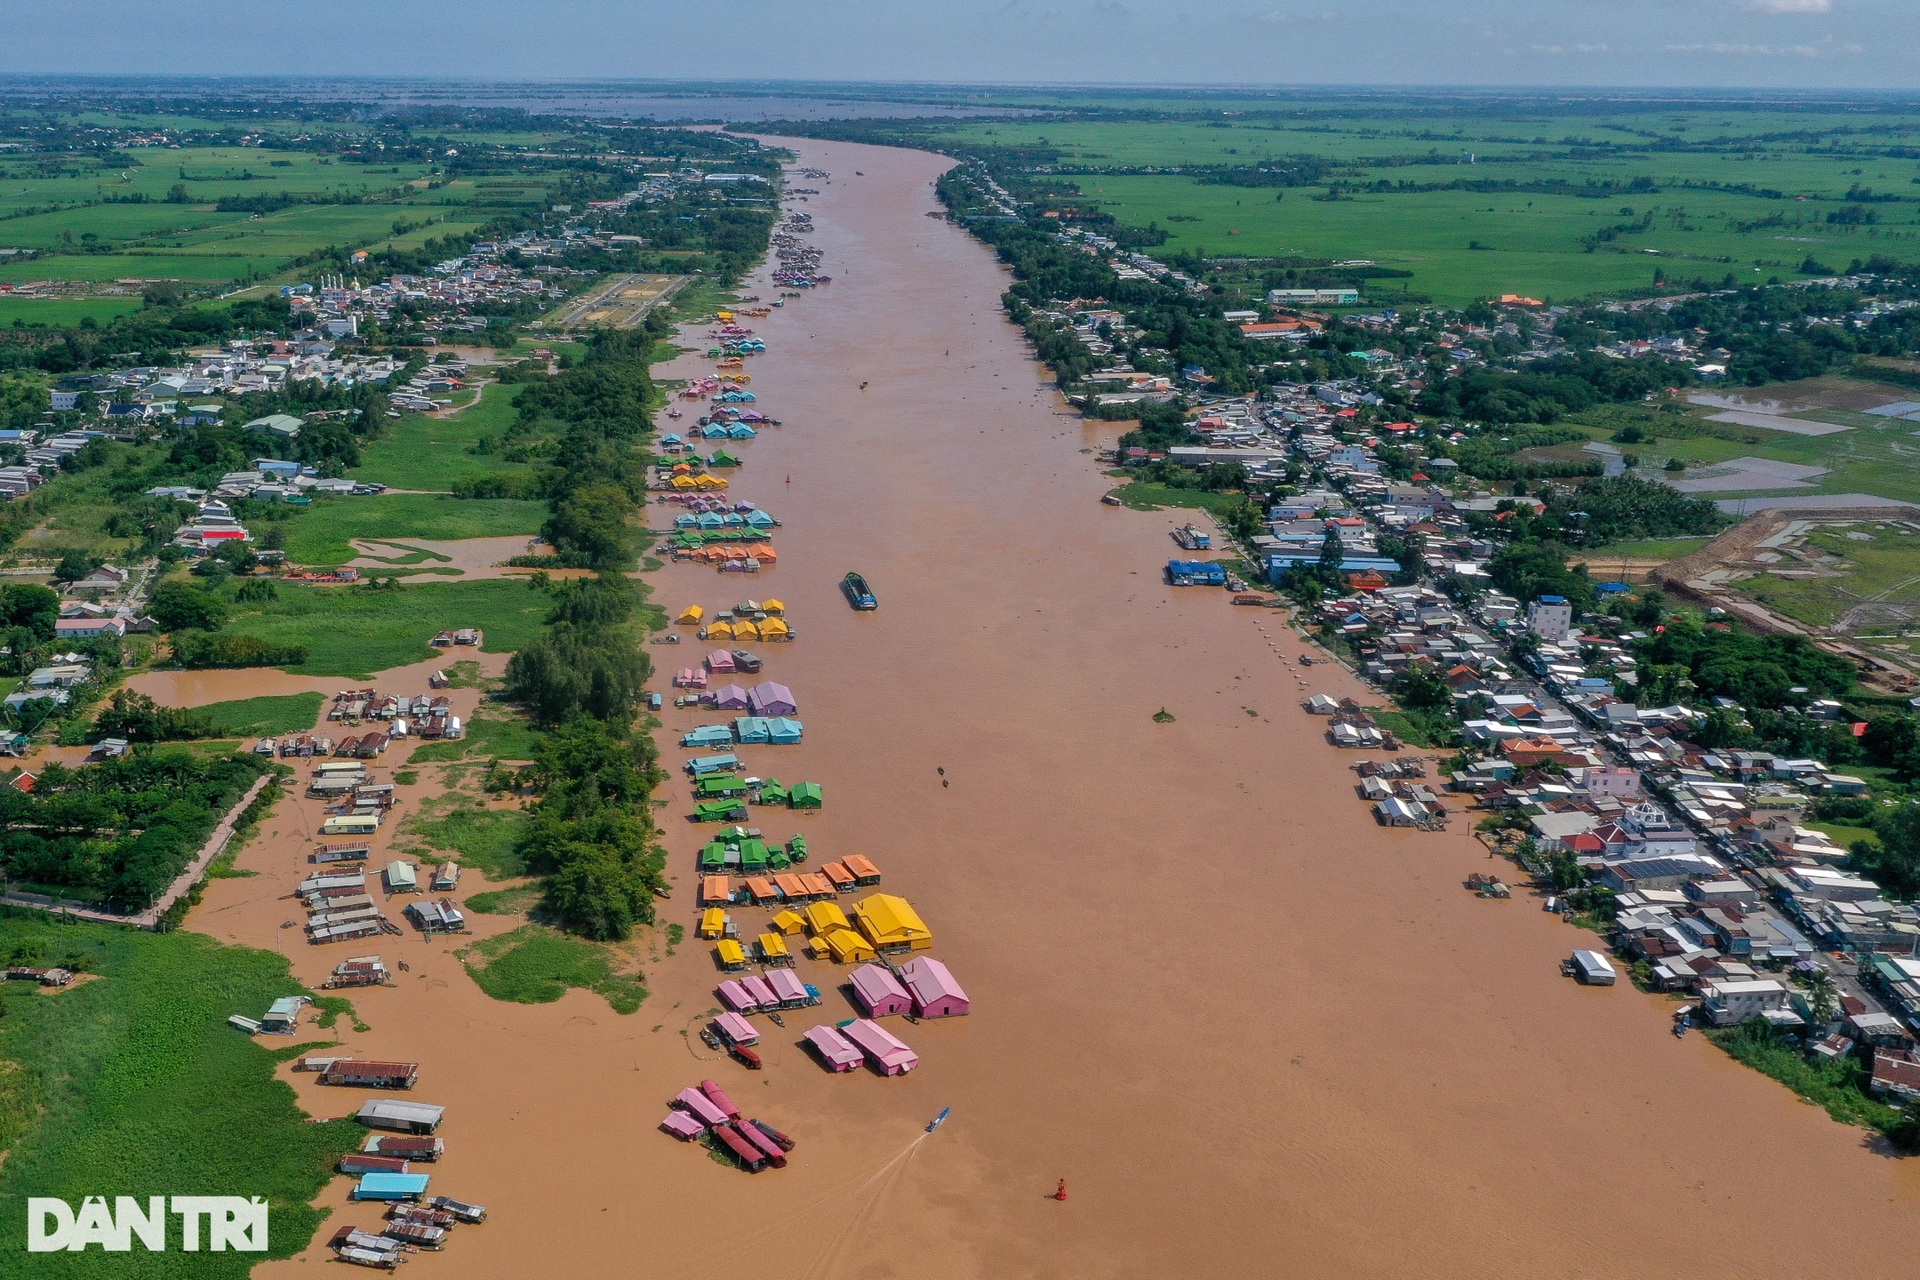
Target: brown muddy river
x=1258, y=1035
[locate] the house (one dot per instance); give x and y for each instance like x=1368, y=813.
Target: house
x=1896, y=1076
x=88, y=628
x=281, y=426
x=1550, y=618
x=935, y=993
x=878, y=992
x=890, y=923
x=1728, y=1004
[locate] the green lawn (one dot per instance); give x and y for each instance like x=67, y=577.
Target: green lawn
x=419, y=452
x=1647, y=548
x=359, y=631
x=58, y=313
x=1844, y=836
x=261, y=717
x=319, y=535
x=1141, y=495
x=537, y=965
x=133, y=1084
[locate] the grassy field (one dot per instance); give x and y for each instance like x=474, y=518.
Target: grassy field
x=1844, y=836
x=1876, y=582
x=537, y=965
x=1726, y=190
x=1646, y=549
x=481, y=839
x=419, y=452
x=133, y=1084
x=1141, y=495
x=57, y=313
x=259, y=717
x=358, y=631
x=494, y=733
x=320, y=534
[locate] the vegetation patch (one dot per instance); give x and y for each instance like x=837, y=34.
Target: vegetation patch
x=322, y=535
x=486, y=839
x=537, y=965
x=111, y=1087
x=515, y=901
x=267, y=716
x=494, y=733
x=359, y=631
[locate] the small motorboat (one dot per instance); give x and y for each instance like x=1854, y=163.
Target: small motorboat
x=940, y=1119
x=1109, y=500
x=774, y=1017
x=858, y=593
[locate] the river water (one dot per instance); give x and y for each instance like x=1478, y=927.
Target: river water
x=1257, y=1035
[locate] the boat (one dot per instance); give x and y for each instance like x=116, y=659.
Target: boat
x=1110, y=499
x=744, y=1056
x=940, y=1119
x=858, y=593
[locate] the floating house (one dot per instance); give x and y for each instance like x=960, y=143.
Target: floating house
x=735, y=1029
x=784, y=731
x=825, y=917
x=935, y=993
x=806, y=795
x=713, y=923
x=879, y=992
x=791, y=992
x=888, y=1054
x=720, y=660
x=836, y=1052
x=363, y=1074
x=691, y=615
x=771, y=698
x=752, y=730
x=731, y=955
x=844, y=946
x=700, y=1105
x=734, y=994
x=390, y=1186
x=762, y=993
x=730, y=697
x=891, y=924
x=707, y=736
x=401, y=1117
x=682, y=1125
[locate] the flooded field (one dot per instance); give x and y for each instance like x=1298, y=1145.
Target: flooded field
x=1257, y=1035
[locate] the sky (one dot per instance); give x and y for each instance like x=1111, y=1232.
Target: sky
x=1762, y=44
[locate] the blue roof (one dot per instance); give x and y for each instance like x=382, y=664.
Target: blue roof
x=1553, y=599
x=1613, y=588
x=392, y=1183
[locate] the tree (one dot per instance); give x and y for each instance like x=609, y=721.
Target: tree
x=33, y=608
x=590, y=528
x=178, y=606
x=74, y=566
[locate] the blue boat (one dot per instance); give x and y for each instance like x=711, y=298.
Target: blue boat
x=940, y=1119
x=858, y=593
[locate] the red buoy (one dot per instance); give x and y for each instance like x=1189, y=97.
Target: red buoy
x=1061, y=1194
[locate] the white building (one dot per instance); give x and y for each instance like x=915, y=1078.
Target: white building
x=1550, y=618
x=1731, y=1003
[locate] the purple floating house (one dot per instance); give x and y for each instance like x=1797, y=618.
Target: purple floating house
x=701, y=1106
x=736, y=1029
x=763, y=995
x=834, y=1049
x=682, y=1125
x=935, y=993
x=770, y=698
x=889, y=1055
x=791, y=991
x=737, y=997
x=730, y=697
x=879, y=992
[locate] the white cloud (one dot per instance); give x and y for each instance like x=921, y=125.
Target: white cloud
x=1281, y=18
x=1787, y=6
x=1824, y=50
x=1571, y=48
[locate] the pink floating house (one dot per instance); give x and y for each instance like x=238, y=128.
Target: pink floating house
x=834, y=1049
x=735, y=1029
x=720, y=661
x=770, y=698
x=729, y=697
x=889, y=1055
x=701, y=1106
x=682, y=1125
x=763, y=995
x=879, y=992
x=935, y=993
x=791, y=992
x=737, y=997
x=690, y=678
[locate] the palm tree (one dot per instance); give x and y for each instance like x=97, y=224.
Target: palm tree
x=1823, y=1000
